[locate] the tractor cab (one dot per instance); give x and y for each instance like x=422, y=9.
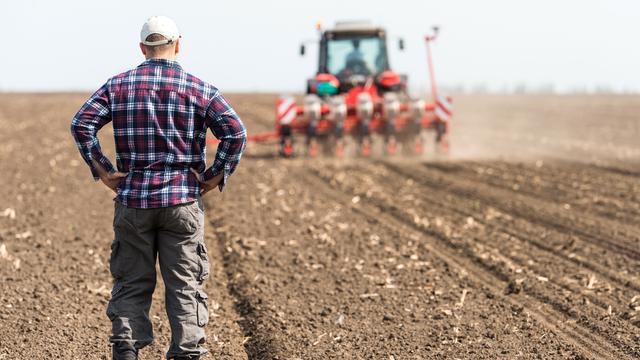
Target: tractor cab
x=350, y=54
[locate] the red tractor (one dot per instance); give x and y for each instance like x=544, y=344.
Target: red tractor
x=355, y=97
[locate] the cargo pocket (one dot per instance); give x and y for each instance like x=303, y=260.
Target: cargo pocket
x=202, y=308
x=203, y=262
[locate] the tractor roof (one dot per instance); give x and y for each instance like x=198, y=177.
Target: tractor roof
x=355, y=27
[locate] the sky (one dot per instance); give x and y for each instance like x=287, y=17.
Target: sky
x=243, y=45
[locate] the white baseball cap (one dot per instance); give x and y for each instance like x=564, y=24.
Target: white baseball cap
x=159, y=25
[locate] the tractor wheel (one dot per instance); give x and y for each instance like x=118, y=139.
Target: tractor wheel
x=391, y=146
x=365, y=146
x=286, y=146
x=327, y=145
x=417, y=146
x=340, y=148
x=312, y=147
x=286, y=142
x=442, y=138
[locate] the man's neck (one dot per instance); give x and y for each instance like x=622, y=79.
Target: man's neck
x=162, y=57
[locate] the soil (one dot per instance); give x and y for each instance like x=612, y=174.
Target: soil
x=511, y=247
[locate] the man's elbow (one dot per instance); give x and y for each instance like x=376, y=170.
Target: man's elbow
x=241, y=137
x=74, y=128
x=242, y=130
x=80, y=129
x=244, y=138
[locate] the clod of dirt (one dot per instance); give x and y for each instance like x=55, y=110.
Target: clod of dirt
x=514, y=286
x=369, y=295
x=4, y=254
x=8, y=212
x=388, y=317
x=325, y=311
x=24, y=235
x=634, y=304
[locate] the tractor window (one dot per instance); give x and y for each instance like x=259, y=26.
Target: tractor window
x=356, y=56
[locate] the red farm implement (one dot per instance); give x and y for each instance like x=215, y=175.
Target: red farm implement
x=356, y=97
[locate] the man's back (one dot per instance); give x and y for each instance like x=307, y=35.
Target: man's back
x=160, y=116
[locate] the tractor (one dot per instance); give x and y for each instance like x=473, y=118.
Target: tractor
x=355, y=96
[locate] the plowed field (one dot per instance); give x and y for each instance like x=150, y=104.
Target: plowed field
x=524, y=243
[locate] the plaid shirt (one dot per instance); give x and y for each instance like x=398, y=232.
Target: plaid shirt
x=160, y=116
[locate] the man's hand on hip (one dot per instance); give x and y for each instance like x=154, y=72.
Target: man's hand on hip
x=206, y=186
x=111, y=180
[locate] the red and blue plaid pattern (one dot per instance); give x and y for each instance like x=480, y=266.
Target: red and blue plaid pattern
x=160, y=116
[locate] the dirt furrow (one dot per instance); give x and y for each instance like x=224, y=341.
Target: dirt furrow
x=559, y=173
x=554, y=183
x=570, y=247
x=589, y=343
x=499, y=232
x=548, y=240
x=618, y=297
x=325, y=281
x=599, y=232
x=257, y=345
x=576, y=290
x=630, y=172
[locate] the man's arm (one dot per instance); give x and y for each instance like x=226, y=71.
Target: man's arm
x=91, y=117
x=227, y=127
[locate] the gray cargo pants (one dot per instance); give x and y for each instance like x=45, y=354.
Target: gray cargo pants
x=175, y=235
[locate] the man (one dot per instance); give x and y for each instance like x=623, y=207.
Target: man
x=355, y=61
x=355, y=54
x=160, y=116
